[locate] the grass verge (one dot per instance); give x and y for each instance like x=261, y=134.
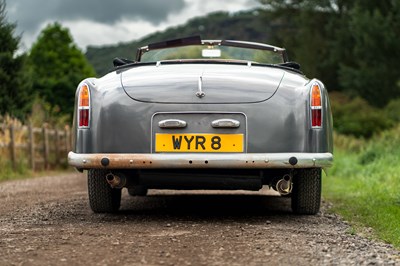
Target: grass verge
x=364, y=184
x=22, y=171
x=7, y=172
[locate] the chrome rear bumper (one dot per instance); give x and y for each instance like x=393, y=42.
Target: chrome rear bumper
x=202, y=160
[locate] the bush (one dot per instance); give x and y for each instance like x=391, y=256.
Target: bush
x=392, y=110
x=354, y=116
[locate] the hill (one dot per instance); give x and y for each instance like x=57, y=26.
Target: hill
x=249, y=25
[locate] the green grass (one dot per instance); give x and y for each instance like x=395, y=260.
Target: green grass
x=364, y=185
x=7, y=172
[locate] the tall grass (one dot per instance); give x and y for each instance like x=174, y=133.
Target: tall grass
x=364, y=183
x=6, y=169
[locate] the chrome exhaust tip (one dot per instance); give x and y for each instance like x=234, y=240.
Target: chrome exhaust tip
x=115, y=181
x=284, y=186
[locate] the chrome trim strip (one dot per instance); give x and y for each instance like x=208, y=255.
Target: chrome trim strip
x=200, y=160
x=225, y=123
x=172, y=123
x=200, y=93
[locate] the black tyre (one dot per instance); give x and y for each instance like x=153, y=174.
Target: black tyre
x=137, y=191
x=102, y=197
x=306, y=194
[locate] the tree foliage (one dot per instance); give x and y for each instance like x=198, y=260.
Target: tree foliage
x=374, y=35
x=15, y=87
x=58, y=66
x=350, y=44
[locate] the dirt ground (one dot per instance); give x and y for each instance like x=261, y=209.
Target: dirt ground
x=47, y=221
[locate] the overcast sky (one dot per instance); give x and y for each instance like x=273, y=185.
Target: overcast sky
x=98, y=22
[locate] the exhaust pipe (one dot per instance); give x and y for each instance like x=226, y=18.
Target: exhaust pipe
x=284, y=186
x=116, y=181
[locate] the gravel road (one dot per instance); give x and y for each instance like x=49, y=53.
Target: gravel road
x=47, y=221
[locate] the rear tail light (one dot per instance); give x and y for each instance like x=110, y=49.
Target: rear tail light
x=84, y=106
x=316, y=106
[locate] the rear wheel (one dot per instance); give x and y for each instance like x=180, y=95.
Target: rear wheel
x=306, y=194
x=102, y=197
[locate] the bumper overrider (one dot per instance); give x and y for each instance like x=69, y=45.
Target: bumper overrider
x=205, y=160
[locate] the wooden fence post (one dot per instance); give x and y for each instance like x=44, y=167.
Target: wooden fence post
x=12, y=147
x=31, y=146
x=45, y=147
x=57, y=147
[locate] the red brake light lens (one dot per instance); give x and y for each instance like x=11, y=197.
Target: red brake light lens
x=84, y=106
x=316, y=118
x=316, y=106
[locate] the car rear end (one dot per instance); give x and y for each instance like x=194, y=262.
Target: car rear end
x=202, y=125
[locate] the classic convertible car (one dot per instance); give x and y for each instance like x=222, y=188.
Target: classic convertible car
x=203, y=114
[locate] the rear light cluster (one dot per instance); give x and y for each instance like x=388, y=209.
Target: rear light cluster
x=84, y=106
x=316, y=106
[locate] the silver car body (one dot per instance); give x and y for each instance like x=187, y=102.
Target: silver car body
x=173, y=117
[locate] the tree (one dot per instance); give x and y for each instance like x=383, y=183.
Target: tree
x=15, y=86
x=58, y=66
x=349, y=44
x=373, y=73
x=303, y=27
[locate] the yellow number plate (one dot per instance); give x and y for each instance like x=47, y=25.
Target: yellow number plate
x=199, y=142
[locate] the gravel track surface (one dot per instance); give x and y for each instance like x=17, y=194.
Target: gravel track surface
x=47, y=221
